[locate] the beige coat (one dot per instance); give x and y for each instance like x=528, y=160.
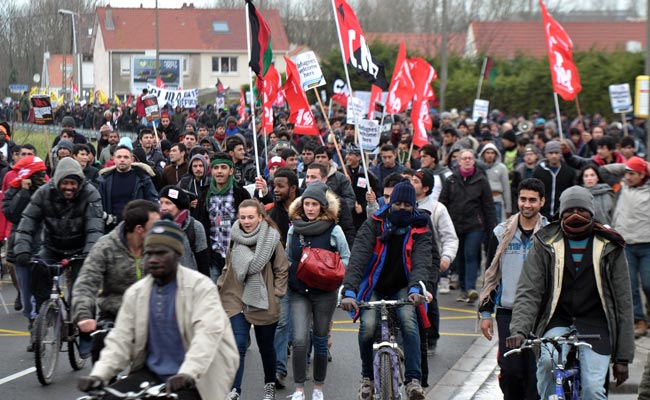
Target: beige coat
x=275, y=277
x=211, y=355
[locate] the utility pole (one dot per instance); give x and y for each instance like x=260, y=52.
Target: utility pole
x=158, y=46
x=443, y=56
x=647, y=72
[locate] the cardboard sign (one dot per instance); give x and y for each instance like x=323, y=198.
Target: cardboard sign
x=620, y=97
x=481, y=108
x=151, y=107
x=310, y=73
x=42, y=109
x=369, y=133
x=356, y=110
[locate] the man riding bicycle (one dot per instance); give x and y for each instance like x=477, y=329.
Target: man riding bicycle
x=576, y=277
x=391, y=255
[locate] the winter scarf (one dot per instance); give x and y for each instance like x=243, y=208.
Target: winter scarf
x=310, y=228
x=247, y=264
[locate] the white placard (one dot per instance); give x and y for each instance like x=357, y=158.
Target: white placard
x=620, y=97
x=369, y=134
x=481, y=108
x=183, y=98
x=311, y=75
x=357, y=110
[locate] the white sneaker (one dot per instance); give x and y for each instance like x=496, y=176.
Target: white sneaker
x=297, y=396
x=317, y=394
x=443, y=286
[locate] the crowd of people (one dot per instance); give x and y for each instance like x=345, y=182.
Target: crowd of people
x=191, y=238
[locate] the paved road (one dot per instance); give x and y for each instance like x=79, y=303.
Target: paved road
x=18, y=380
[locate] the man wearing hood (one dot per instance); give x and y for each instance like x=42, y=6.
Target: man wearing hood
x=197, y=183
x=497, y=174
x=70, y=212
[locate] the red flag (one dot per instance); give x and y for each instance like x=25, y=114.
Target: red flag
x=269, y=95
x=73, y=86
x=423, y=74
x=261, y=53
x=564, y=73
x=375, y=95
x=221, y=90
x=301, y=114
x=401, y=86
x=340, y=92
x=243, y=116
x=355, y=49
x=129, y=101
x=160, y=83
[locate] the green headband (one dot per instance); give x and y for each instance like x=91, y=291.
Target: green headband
x=222, y=161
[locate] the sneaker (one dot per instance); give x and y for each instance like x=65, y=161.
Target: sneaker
x=85, y=346
x=30, y=328
x=462, y=297
x=443, y=286
x=431, y=346
x=454, y=281
x=18, y=303
x=472, y=296
x=640, y=328
x=329, y=356
x=280, y=381
x=233, y=395
x=269, y=391
x=414, y=391
x=317, y=394
x=366, y=390
x=297, y=396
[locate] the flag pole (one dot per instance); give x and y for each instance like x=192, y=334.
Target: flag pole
x=480, y=78
x=329, y=128
x=579, y=113
x=250, y=88
x=557, y=116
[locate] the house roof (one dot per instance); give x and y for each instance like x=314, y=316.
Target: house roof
x=186, y=29
x=55, y=69
x=506, y=39
x=426, y=44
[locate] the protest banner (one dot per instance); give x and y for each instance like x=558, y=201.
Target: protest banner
x=181, y=98
x=481, y=108
x=309, y=70
x=369, y=133
x=42, y=109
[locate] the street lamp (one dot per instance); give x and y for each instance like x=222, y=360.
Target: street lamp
x=78, y=60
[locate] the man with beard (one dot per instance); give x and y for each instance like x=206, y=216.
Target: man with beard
x=113, y=139
x=197, y=183
x=510, y=242
x=575, y=277
x=177, y=167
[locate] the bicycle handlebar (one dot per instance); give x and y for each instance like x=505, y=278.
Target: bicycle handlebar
x=569, y=338
x=147, y=391
x=64, y=263
x=380, y=303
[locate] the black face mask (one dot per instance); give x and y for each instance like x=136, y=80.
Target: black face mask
x=400, y=218
x=576, y=227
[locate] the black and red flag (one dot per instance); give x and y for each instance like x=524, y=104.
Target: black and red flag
x=355, y=48
x=261, y=53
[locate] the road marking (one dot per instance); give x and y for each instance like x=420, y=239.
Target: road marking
x=460, y=317
x=8, y=332
x=459, y=334
x=17, y=375
x=461, y=310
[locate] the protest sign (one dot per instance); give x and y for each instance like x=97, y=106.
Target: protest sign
x=310, y=73
x=356, y=110
x=481, y=108
x=369, y=133
x=181, y=98
x=380, y=110
x=42, y=109
x=620, y=97
x=151, y=107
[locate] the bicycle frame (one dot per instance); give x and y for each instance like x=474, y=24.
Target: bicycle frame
x=389, y=346
x=563, y=375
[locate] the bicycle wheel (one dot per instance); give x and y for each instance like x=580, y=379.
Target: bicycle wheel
x=385, y=377
x=47, y=341
x=76, y=362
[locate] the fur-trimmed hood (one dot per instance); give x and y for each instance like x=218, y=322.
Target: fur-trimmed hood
x=331, y=212
x=146, y=168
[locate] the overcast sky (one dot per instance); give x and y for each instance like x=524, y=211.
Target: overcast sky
x=152, y=3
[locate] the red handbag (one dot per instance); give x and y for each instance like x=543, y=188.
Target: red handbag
x=320, y=268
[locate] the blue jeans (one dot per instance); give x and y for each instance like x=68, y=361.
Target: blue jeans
x=283, y=334
x=408, y=324
x=638, y=262
x=594, y=368
x=468, y=259
x=24, y=276
x=498, y=207
x=264, y=335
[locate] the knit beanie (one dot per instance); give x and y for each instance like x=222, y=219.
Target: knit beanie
x=403, y=192
x=552, y=147
x=65, y=144
x=316, y=191
x=67, y=122
x=577, y=197
x=167, y=233
x=176, y=195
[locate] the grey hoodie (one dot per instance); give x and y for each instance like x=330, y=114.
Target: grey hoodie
x=66, y=167
x=497, y=174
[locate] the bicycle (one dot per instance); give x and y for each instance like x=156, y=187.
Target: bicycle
x=565, y=371
x=147, y=391
x=54, y=325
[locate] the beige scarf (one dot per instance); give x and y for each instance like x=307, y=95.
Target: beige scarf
x=493, y=274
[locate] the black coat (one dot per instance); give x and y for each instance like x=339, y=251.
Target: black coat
x=554, y=186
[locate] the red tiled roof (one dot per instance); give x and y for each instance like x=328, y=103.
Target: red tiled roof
x=184, y=29
x=507, y=39
x=426, y=44
x=55, y=70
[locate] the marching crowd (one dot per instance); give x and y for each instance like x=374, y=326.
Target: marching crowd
x=190, y=238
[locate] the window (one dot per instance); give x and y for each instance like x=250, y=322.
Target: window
x=125, y=65
x=220, y=27
x=186, y=71
x=224, y=65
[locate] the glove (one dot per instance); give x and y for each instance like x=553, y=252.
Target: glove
x=88, y=383
x=23, y=259
x=178, y=382
x=349, y=304
x=109, y=219
x=515, y=341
